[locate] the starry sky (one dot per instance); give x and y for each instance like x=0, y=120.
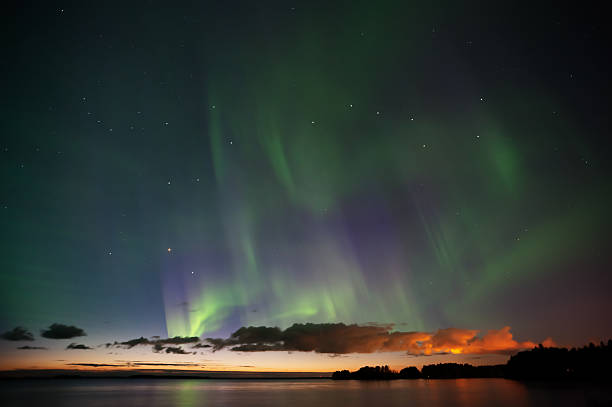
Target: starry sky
x=188, y=169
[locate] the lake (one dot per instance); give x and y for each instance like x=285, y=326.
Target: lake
x=294, y=393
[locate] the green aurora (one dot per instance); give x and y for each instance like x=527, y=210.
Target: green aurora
x=351, y=163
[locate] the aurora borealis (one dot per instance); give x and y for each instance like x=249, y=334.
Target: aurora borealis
x=398, y=168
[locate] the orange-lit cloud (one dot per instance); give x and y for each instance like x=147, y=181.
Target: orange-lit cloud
x=339, y=338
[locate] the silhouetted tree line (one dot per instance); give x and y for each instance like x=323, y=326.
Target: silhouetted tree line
x=592, y=362
x=439, y=371
x=367, y=373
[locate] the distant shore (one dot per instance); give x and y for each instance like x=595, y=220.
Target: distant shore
x=164, y=377
x=143, y=374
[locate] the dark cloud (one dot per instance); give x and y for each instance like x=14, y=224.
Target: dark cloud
x=178, y=340
x=177, y=350
x=135, y=342
x=159, y=345
x=60, y=331
x=31, y=348
x=251, y=339
x=201, y=345
x=255, y=334
x=77, y=346
x=338, y=338
x=322, y=338
x=17, y=334
x=220, y=343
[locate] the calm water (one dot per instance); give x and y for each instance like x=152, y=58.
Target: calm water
x=294, y=393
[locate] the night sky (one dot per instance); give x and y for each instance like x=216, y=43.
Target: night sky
x=190, y=168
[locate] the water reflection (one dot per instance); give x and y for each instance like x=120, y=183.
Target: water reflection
x=188, y=394
x=318, y=393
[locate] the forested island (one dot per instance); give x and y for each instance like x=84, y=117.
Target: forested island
x=589, y=363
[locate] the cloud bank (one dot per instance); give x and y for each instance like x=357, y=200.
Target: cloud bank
x=156, y=343
x=161, y=345
x=338, y=338
x=78, y=346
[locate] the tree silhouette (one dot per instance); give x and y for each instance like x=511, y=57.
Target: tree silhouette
x=591, y=362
